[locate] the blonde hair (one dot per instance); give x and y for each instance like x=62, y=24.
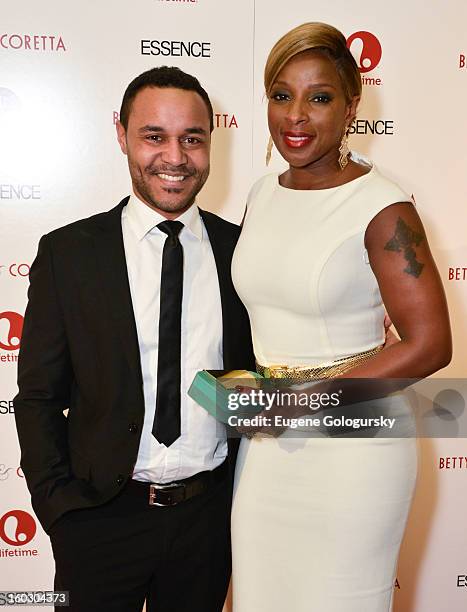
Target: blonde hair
x=320, y=37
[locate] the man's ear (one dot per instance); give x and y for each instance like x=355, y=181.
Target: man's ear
x=121, y=137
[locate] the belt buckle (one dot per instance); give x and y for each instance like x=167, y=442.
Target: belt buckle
x=274, y=371
x=153, y=493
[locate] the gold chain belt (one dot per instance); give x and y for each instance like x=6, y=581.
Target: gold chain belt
x=304, y=373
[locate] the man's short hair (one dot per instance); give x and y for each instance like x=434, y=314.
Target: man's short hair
x=163, y=76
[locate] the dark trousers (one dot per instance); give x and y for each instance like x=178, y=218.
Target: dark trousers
x=110, y=558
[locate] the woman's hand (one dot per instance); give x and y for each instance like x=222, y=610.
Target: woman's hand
x=264, y=421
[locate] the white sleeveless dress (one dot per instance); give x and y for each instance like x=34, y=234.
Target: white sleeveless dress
x=317, y=522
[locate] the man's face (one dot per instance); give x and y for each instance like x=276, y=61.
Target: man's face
x=167, y=142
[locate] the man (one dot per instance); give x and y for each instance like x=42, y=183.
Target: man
x=124, y=308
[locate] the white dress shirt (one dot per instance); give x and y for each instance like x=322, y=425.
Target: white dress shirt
x=202, y=444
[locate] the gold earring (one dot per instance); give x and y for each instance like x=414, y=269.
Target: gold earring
x=269, y=150
x=344, y=151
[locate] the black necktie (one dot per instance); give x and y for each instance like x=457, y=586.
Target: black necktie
x=166, y=427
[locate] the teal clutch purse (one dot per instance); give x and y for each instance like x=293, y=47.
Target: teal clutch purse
x=211, y=389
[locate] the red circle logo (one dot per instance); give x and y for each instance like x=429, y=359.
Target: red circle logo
x=10, y=338
x=366, y=49
x=17, y=527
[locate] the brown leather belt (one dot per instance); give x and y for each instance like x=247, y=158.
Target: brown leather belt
x=173, y=493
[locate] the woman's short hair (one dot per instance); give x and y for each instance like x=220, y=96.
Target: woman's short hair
x=319, y=37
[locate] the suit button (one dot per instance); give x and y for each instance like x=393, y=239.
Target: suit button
x=120, y=479
x=132, y=428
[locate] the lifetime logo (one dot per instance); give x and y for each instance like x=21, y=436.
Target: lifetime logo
x=366, y=49
x=11, y=328
x=17, y=528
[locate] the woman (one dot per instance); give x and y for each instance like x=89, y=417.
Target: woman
x=317, y=522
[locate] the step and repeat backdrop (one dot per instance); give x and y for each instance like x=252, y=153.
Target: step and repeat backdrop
x=63, y=70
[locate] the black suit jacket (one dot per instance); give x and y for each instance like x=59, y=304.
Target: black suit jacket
x=79, y=350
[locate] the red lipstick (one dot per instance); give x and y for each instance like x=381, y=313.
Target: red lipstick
x=296, y=140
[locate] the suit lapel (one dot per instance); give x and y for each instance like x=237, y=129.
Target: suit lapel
x=236, y=340
x=222, y=248
x=222, y=257
x=112, y=270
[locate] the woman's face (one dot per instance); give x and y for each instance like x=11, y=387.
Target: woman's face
x=308, y=112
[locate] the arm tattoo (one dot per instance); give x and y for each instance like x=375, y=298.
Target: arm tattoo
x=403, y=240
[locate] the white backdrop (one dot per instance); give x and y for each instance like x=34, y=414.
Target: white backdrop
x=63, y=70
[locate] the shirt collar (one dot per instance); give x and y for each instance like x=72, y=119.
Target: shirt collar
x=143, y=219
